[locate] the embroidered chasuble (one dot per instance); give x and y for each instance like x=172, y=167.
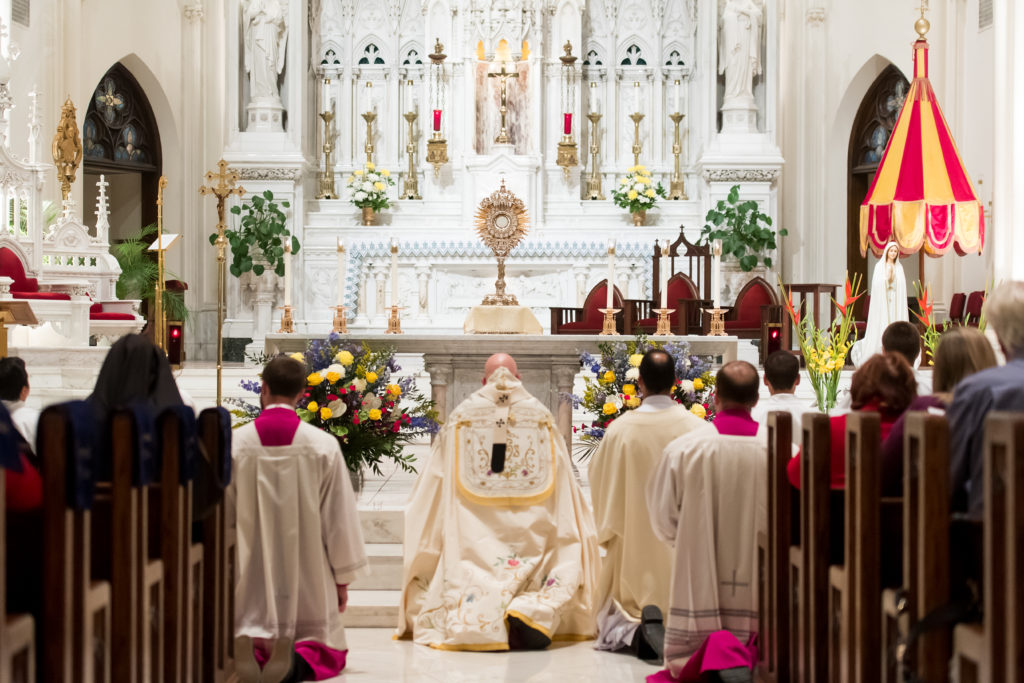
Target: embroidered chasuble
x=497, y=527
x=298, y=533
x=707, y=499
x=637, y=567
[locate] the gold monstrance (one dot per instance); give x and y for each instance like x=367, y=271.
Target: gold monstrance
x=502, y=223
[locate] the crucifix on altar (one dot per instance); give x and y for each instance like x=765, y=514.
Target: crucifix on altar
x=503, y=76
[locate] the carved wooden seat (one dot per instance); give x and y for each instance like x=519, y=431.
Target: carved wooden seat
x=17, y=630
x=689, y=289
x=752, y=309
x=76, y=608
x=588, y=319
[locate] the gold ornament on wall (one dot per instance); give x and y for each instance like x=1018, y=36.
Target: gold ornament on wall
x=501, y=223
x=67, y=148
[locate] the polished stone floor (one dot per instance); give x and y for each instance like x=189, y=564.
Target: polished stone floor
x=373, y=656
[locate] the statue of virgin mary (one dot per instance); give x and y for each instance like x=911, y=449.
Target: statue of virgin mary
x=888, y=304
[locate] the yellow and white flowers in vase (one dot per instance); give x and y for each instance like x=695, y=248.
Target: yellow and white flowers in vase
x=637, y=193
x=368, y=189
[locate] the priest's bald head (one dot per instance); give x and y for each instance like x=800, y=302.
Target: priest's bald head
x=500, y=360
x=736, y=386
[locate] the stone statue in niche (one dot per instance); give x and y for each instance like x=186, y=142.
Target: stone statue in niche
x=739, y=51
x=266, y=33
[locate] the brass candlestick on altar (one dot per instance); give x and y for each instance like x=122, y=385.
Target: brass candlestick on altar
x=502, y=223
x=287, y=323
x=340, y=324
x=637, y=148
x=664, y=325
x=410, y=186
x=676, y=190
x=67, y=149
x=503, y=76
x=369, y=117
x=222, y=190
x=608, y=326
x=327, y=190
x=717, y=327
x=395, y=320
x=160, y=317
x=594, y=182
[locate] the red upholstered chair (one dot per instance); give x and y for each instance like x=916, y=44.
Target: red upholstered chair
x=972, y=312
x=589, y=319
x=956, y=307
x=640, y=318
x=862, y=325
x=24, y=287
x=745, y=317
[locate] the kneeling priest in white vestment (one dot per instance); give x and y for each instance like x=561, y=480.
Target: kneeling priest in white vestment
x=636, y=571
x=500, y=548
x=707, y=498
x=299, y=539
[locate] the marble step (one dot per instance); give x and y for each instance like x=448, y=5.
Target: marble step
x=382, y=526
x=385, y=567
x=372, y=608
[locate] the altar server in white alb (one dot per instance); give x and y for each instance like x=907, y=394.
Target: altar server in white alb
x=299, y=540
x=707, y=499
x=500, y=548
x=636, y=571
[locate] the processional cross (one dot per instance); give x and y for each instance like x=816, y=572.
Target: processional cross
x=503, y=76
x=224, y=188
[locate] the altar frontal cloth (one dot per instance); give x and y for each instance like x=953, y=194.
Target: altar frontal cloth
x=501, y=320
x=922, y=197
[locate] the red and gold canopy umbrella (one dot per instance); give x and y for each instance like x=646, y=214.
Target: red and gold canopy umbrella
x=922, y=197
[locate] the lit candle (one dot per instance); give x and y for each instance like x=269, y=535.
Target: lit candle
x=413, y=95
x=636, y=96
x=716, y=271
x=341, y=272
x=437, y=120
x=567, y=123
x=288, y=272
x=663, y=284
x=394, y=271
x=325, y=95
x=611, y=274
x=675, y=97
x=368, y=99
x=595, y=101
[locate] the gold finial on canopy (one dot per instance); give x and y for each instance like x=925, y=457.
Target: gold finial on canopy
x=922, y=25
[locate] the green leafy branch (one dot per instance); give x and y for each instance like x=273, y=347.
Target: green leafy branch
x=745, y=232
x=261, y=232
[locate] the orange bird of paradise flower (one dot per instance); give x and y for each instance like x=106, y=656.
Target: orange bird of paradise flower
x=793, y=313
x=849, y=298
x=925, y=316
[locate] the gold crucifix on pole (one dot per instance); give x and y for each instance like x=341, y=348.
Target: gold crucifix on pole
x=503, y=76
x=224, y=188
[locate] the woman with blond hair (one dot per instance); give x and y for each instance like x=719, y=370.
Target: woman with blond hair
x=962, y=351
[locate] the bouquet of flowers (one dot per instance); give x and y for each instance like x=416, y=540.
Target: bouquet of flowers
x=824, y=350
x=369, y=187
x=931, y=335
x=636, y=191
x=350, y=394
x=612, y=391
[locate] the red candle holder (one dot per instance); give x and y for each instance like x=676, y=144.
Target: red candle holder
x=437, y=119
x=567, y=123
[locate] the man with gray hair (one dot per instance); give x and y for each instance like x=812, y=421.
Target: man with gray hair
x=998, y=388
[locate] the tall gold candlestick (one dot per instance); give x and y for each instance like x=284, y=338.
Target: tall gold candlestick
x=676, y=190
x=159, y=317
x=327, y=190
x=224, y=188
x=637, y=148
x=594, y=182
x=369, y=117
x=410, y=186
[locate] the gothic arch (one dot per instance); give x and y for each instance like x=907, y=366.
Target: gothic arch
x=374, y=50
x=872, y=126
x=413, y=54
x=676, y=55
x=594, y=55
x=636, y=51
x=330, y=54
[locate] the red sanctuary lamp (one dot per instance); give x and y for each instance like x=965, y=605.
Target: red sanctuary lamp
x=567, y=146
x=437, y=146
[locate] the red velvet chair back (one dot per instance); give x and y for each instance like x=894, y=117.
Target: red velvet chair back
x=956, y=306
x=974, y=303
x=754, y=294
x=11, y=266
x=598, y=297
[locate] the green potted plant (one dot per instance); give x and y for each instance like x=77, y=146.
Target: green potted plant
x=746, y=233
x=139, y=272
x=257, y=244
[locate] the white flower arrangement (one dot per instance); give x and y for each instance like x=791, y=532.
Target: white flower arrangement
x=636, y=191
x=369, y=187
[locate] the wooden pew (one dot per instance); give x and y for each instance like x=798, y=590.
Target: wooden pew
x=76, y=609
x=854, y=586
x=182, y=559
x=808, y=561
x=776, y=592
x=218, y=539
x=1004, y=548
x=926, y=556
x=121, y=533
x=17, y=631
